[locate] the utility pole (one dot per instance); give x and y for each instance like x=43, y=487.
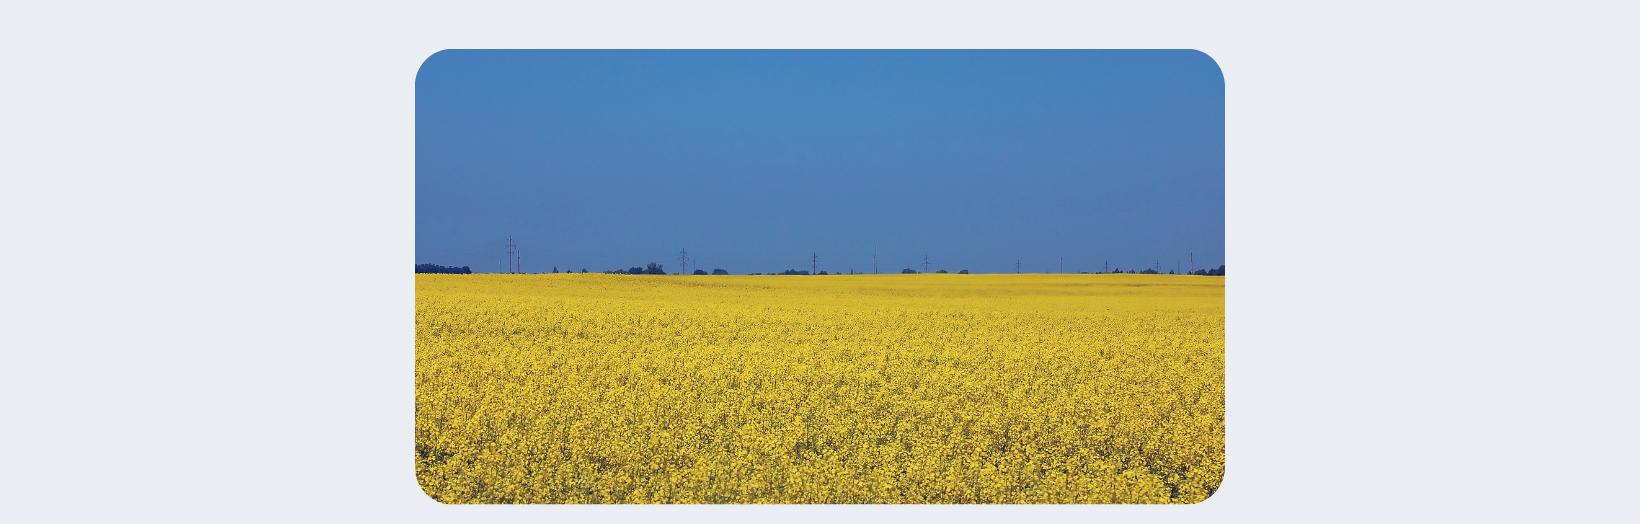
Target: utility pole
x=683, y=262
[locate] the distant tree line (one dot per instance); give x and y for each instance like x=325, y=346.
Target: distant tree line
x=651, y=269
x=656, y=269
x=435, y=268
x=1152, y=271
x=1219, y=272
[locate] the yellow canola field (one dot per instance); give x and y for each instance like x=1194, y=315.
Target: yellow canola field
x=933, y=388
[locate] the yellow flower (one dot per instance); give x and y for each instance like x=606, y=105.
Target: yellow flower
x=847, y=389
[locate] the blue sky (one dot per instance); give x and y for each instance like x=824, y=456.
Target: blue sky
x=754, y=160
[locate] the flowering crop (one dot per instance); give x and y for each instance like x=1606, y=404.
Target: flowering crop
x=595, y=388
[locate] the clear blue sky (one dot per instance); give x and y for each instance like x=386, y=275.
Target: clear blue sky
x=753, y=160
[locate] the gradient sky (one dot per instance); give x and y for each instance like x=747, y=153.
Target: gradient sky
x=754, y=160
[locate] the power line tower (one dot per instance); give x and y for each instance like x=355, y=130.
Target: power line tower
x=1192, y=263
x=1107, y=266
x=683, y=262
x=1061, y=265
x=925, y=264
x=512, y=253
x=1016, y=266
x=873, y=261
x=814, y=263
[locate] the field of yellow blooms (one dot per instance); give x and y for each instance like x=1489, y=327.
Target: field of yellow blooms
x=932, y=388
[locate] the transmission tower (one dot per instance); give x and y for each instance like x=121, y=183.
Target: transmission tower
x=925, y=264
x=1061, y=265
x=873, y=261
x=1192, y=263
x=1016, y=266
x=683, y=262
x=814, y=263
x=512, y=253
x=1107, y=266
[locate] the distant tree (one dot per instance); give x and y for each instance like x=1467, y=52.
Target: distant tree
x=963, y=272
x=823, y=272
x=654, y=269
x=1148, y=271
x=942, y=271
x=554, y=269
x=908, y=271
x=719, y=271
x=700, y=272
x=1084, y=272
x=435, y=268
x=794, y=272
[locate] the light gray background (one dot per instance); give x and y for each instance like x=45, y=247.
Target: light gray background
x=207, y=298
